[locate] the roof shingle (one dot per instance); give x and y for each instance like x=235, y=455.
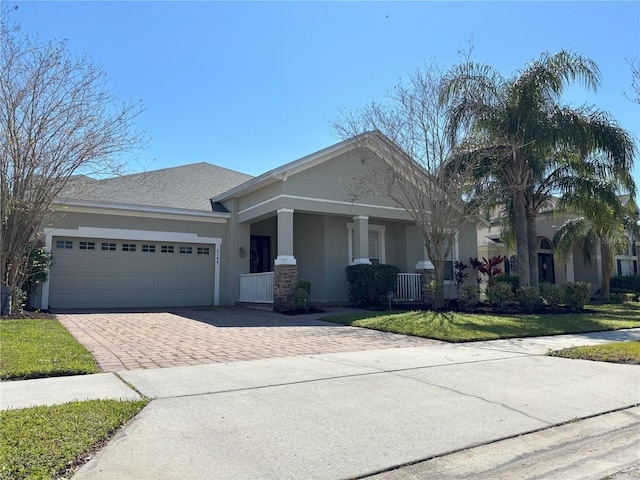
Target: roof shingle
x=186, y=187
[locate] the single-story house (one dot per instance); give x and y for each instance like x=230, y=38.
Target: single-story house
x=550, y=268
x=199, y=234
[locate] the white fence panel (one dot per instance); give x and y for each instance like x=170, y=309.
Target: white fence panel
x=408, y=288
x=256, y=287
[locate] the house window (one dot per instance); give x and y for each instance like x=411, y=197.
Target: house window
x=111, y=247
x=203, y=250
x=376, y=244
x=627, y=267
x=545, y=244
x=448, y=265
x=374, y=247
x=166, y=249
x=87, y=246
x=64, y=244
x=187, y=250
x=627, y=262
x=148, y=248
x=128, y=247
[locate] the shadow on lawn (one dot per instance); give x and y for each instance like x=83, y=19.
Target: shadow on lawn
x=470, y=327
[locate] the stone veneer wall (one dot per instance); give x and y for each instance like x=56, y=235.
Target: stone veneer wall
x=285, y=278
x=427, y=276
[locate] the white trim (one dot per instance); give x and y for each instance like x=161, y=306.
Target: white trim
x=424, y=265
x=360, y=217
x=125, y=234
x=321, y=200
x=285, y=260
x=361, y=261
x=285, y=210
x=381, y=229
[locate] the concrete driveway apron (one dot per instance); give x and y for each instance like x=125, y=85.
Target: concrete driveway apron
x=180, y=337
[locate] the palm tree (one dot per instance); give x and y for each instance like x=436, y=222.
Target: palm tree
x=603, y=227
x=521, y=129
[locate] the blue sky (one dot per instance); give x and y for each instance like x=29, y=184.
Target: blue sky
x=250, y=86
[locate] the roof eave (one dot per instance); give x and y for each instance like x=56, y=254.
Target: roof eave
x=140, y=208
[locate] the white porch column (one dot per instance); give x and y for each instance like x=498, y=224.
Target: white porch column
x=571, y=276
x=361, y=240
x=285, y=270
x=285, y=237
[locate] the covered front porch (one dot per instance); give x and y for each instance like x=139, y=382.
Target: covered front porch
x=296, y=245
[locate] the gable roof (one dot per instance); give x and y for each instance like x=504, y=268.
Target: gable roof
x=291, y=168
x=185, y=187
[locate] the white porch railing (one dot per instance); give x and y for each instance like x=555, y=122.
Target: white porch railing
x=256, y=287
x=408, y=288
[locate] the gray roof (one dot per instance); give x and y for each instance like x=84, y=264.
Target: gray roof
x=186, y=187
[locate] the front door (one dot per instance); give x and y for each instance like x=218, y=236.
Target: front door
x=260, y=254
x=546, y=272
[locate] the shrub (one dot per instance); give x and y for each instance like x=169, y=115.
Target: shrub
x=510, y=279
x=303, y=292
x=500, y=294
x=369, y=284
x=429, y=292
x=576, y=295
x=551, y=294
x=468, y=296
x=528, y=297
x=623, y=298
x=488, y=268
x=628, y=284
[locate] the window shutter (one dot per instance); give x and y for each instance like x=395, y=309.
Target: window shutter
x=619, y=267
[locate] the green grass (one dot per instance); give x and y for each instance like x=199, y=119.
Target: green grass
x=43, y=442
x=40, y=348
x=619, y=352
x=465, y=327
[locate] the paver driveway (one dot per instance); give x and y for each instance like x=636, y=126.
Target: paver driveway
x=127, y=341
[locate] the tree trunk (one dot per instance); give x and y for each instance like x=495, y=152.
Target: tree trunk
x=522, y=242
x=605, y=254
x=532, y=239
x=438, y=301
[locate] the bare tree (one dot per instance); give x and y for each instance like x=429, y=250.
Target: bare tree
x=635, y=80
x=417, y=152
x=58, y=118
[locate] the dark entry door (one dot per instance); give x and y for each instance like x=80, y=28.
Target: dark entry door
x=546, y=272
x=260, y=254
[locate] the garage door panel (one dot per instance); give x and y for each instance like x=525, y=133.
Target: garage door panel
x=106, y=265
x=202, y=268
x=115, y=278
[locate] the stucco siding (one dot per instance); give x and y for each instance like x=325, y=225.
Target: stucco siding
x=467, y=243
x=73, y=220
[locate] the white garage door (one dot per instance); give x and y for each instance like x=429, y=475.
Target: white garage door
x=101, y=273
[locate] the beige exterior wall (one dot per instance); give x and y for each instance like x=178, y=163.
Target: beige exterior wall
x=231, y=263
x=202, y=227
x=323, y=189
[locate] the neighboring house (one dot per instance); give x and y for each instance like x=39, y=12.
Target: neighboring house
x=550, y=269
x=201, y=235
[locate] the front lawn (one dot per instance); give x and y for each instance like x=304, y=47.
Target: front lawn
x=35, y=348
x=45, y=442
x=619, y=352
x=466, y=327
x=49, y=441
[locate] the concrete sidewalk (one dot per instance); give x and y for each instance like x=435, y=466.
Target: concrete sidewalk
x=350, y=415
